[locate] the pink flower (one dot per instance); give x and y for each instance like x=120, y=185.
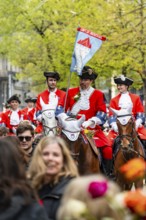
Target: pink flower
x=97, y=189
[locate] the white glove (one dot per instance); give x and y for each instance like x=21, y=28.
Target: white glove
x=39, y=118
x=138, y=123
x=88, y=123
x=114, y=127
x=96, y=121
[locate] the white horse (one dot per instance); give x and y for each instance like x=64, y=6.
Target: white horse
x=49, y=121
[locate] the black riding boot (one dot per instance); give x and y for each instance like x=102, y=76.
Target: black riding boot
x=108, y=168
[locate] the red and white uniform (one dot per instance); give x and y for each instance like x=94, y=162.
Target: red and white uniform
x=32, y=115
x=11, y=120
x=91, y=104
x=55, y=100
x=128, y=100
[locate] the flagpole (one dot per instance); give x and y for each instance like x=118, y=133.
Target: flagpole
x=69, y=80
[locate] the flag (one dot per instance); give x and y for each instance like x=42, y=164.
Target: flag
x=86, y=44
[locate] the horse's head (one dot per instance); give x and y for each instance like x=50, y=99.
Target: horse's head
x=71, y=127
x=49, y=121
x=124, y=120
x=125, y=123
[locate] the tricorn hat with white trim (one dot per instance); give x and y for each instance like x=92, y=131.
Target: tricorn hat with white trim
x=123, y=80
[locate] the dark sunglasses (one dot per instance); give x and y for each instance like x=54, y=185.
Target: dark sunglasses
x=27, y=138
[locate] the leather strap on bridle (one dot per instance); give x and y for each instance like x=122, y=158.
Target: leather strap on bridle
x=119, y=116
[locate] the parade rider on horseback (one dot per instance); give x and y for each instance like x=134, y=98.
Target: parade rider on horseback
x=53, y=97
x=125, y=99
x=90, y=102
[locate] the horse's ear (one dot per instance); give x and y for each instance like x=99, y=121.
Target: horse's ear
x=114, y=111
x=81, y=120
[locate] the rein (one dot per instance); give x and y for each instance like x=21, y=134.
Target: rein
x=119, y=116
x=131, y=140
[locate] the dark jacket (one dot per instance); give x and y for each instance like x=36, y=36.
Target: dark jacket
x=51, y=196
x=18, y=211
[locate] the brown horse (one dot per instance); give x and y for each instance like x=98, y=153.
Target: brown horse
x=82, y=148
x=129, y=146
x=84, y=153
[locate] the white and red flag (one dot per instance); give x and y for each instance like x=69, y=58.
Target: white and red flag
x=86, y=44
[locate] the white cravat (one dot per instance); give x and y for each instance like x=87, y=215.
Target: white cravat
x=125, y=101
x=83, y=103
x=53, y=100
x=14, y=118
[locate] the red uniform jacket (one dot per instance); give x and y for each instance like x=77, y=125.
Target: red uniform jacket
x=45, y=96
x=96, y=100
x=137, y=110
x=6, y=119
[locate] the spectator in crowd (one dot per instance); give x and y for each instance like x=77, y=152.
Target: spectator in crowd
x=50, y=170
x=16, y=143
x=25, y=134
x=17, y=199
x=12, y=117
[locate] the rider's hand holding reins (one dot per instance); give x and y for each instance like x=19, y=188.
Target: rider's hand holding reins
x=92, y=122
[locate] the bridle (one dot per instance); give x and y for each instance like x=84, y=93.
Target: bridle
x=131, y=139
x=49, y=129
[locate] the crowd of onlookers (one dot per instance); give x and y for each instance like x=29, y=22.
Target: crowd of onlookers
x=41, y=182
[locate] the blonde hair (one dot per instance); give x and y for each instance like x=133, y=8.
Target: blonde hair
x=37, y=168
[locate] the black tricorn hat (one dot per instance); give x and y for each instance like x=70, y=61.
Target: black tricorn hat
x=123, y=80
x=14, y=97
x=88, y=73
x=28, y=99
x=53, y=75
